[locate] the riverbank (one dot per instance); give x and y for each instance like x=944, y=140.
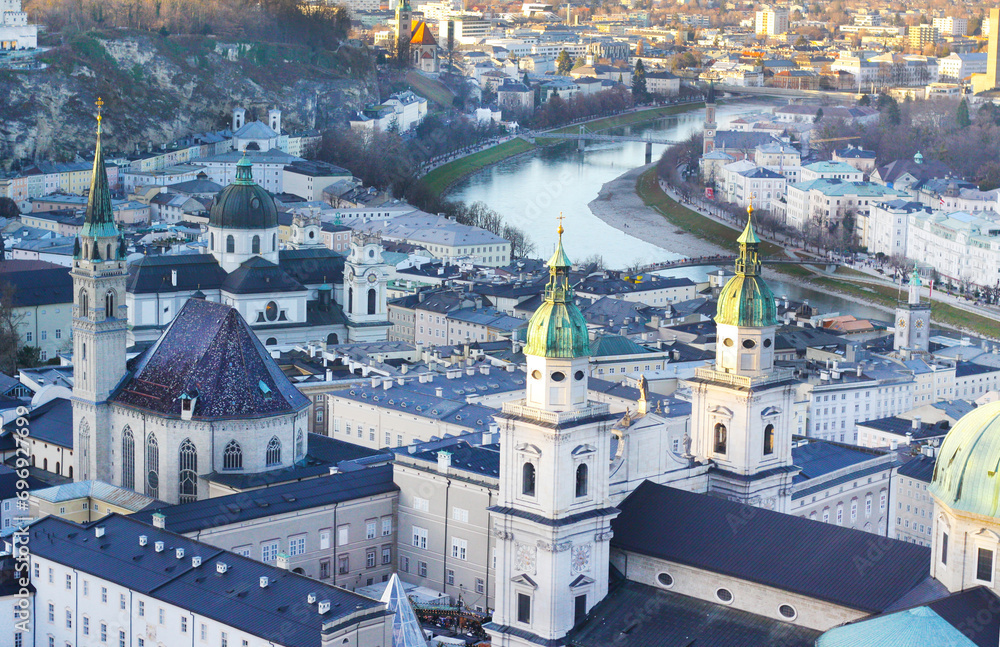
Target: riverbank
x=442, y=178
x=666, y=219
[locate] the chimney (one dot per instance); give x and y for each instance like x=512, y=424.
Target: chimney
x=158, y=546
x=375, y=380
x=323, y=606
x=173, y=278
x=915, y=424
x=196, y=561
x=282, y=560
x=444, y=461
x=143, y=540
x=439, y=392
x=311, y=598
x=179, y=553
x=221, y=567
x=159, y=520
x=263, y=581
x=99, y=531
x=484, y=369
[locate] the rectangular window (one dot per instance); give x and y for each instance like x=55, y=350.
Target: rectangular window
x=269, y=551
x=104, y=594
x=121, y=638
x=460, y=514
x=121, y=601
x=184, y=625
x=69, y=619
x=419, y=537
x=523, y=608
x=480, y=585
x=142, y=608
x=297, y=546
x=324, y=569
x=386, y=554
x=370, y=559
x=86, y=626
x=580, y=608
x=343, y=535
x=343, y=565
x=459, y=548
x=944, y=548
x=104, y=633
x=225, y=640
x=451, y=577
x=69, y=582
x=86, y=588
x=324, y=539
x=422, y=569
x=370, y=529
x=984, y=565
x=387, y=526
x=404, y=563
x=52, y=612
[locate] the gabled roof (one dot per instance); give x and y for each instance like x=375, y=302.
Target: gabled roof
x=770, y=548
x=37, y=283
x=151, y=274
x=210, y=352
x=51, y=422
x=257, y=274
x=422, y=35
x=255, y=130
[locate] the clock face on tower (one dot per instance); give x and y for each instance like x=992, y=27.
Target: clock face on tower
x=580, y=559
x=372, y=277
x=919, y=323
x=901, y=323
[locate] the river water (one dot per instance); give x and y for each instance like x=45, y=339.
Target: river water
x=531, y=190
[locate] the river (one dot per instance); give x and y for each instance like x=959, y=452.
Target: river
x=531, y=190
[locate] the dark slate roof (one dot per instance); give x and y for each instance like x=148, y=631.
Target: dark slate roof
x=919, y=467
x=279, y=499
x=279, y=613
x=819, y=457
x=210, y=350
x=312, y=266
x=37, y=283
x=727, y=139
x=965, y=369
x=483, y=460
x=51, y=423
x=770, y=548
x=925, y=171
x=257, y=274
x=637, y=615
x=155, y=273
x=960, y=608
x=902, y=426
x=9, y=479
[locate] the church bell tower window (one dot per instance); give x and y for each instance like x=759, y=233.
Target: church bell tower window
x=581, y=480
x=528, y=480
x=721, y=438
x=768, y=440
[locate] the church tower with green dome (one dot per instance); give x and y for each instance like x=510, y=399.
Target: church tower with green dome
x=741, y=409
x=243, y=221
x=552, y=520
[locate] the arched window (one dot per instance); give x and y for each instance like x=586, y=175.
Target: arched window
x=300, y=444
x=152, y=466
x=70, y=471
x=232, y=456
x=188, y=462
x=84, y=304
x=273, y=455
x=211, y=241
x=581, y=479
x=128, y=459
x=768, y=440
x=350, y=299
x=271, y=341
x=255, y=245
x=371, y=301
x=721, y=438
x=107, y=257
x=230, y=244
x=58, y=469
x=332, y=339
x=274, y=242
x=109, y=305
x=83, y=449
x=45, y=464
x=528, y=479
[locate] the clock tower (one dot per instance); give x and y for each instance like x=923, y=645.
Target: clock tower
x=366, y=276
x=710, y=126
x=553, y=515
x=741, y=408
x=913, y=321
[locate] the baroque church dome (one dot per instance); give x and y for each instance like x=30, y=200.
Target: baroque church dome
x=746, y=300
x=243, y=204
x=558, y=329
x=967, y=473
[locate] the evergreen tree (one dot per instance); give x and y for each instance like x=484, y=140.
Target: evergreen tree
x=819, y=116
x=865, y=100
x=564, y=63
x=525, y=80
x=962, y=115
x=639, y=91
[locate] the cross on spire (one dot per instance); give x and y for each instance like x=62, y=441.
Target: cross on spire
x=100, y=105
x=560, y=218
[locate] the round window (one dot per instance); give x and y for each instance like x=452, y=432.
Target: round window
x=665, y=579
x=312, y=234
x=153, y=480
x=558, y=376
x=271, y=311
x=749, y=343
x=787, y=610
x=724, y=595
x=255, y=203
x=578, y=375
x=728, y=342
x=536, y=374
x=767, y=343
x=371, y=253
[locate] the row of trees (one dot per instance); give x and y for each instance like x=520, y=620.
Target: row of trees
x=287, y=21
x=558, y=111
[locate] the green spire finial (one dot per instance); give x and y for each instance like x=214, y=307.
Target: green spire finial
x=99, y=221
x=244, y=170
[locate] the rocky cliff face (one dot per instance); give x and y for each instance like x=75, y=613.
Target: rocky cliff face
x=157, y=89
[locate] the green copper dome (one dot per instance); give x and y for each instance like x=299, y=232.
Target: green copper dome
x=244, y=204
x=967, y=473
x=746, y=300
x=558, y=329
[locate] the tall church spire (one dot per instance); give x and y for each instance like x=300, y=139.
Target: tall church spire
x=100, y=220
